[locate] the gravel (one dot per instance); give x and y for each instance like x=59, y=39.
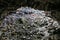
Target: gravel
x=27, y=24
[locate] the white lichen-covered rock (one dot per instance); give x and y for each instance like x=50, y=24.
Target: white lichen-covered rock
x=27, y=24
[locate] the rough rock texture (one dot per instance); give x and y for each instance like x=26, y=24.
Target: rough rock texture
x=27, y=24
x=47, y=5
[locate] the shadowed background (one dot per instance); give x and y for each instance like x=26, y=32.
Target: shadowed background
x=47, y=5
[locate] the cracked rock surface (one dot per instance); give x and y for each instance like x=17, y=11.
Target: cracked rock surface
x=27, y=24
